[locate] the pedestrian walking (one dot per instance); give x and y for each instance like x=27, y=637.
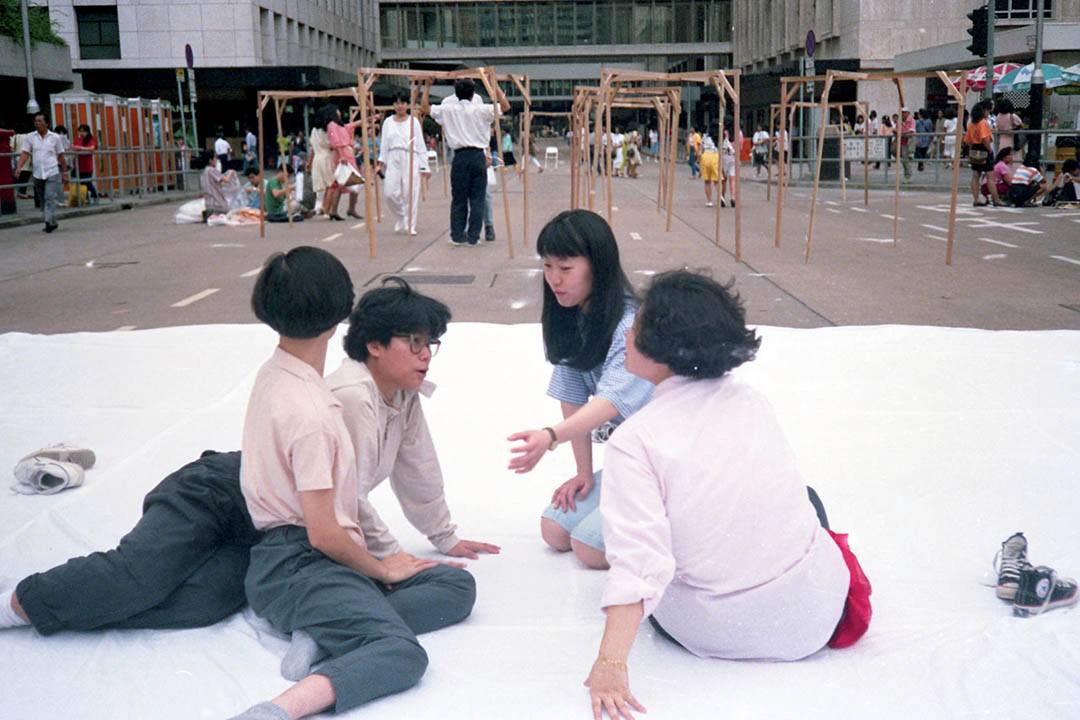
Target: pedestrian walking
x=50, y=167
x=403, y=159
x=466, y=121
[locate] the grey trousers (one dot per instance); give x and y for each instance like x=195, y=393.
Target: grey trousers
x=50, y=189
x=368, y=630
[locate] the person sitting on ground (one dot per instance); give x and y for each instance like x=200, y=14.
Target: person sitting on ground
x=1066, y=185
x=1001, y=177
x=1028, y=184
x=212, y=181
x=312, y=569
x=254, y=187
x=280, y=200
x=709, y=529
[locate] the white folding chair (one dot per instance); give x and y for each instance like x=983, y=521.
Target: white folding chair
x=551, y=152
x=433, y=161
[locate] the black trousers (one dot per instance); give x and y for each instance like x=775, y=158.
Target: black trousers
x=468, y=185
x=181, y=566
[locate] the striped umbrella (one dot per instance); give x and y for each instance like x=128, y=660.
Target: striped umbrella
x=1055, y=76
x=977, y=77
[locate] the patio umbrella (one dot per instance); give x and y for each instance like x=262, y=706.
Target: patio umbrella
x=977, y=77
x=1055, y=76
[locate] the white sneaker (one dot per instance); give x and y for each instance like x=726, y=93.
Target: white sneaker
x=42, y=476
x=413, y=231
x=83, y=457
x=398, y=227
x=708, y=204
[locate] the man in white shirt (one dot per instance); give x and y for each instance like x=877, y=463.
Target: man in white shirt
x=50, y=168
x=466, y=122
x=222, y=149
x=761, y=149
x=251, y=140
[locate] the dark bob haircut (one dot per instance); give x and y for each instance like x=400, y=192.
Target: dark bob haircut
x=574, y=337
x=395, y=308
x=302, y=293
x=327, y=114
x=400, y=96
x=694, y=325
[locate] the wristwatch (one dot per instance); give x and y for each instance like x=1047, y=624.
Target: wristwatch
x=554, y=440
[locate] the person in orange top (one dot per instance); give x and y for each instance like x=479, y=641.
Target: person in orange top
x=979, y=141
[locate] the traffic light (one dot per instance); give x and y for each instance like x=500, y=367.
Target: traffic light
x=980, y=23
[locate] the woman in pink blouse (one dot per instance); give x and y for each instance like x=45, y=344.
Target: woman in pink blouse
x=706, y=521
x=346, y=173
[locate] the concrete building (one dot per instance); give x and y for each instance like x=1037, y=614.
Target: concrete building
x=52, y=73
x=132, y=48
x=914, y=35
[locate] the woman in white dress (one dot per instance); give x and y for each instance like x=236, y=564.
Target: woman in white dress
x=400, y=132
x=949, y=145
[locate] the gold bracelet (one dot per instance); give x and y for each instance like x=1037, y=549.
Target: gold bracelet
x=603, y=660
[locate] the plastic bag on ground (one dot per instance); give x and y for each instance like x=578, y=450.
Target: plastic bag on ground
x=190, y=212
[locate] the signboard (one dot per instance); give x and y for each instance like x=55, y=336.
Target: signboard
x=811, y=43
x=854, y=147
x=189, y=56
x=179, y=75
x=191, y=86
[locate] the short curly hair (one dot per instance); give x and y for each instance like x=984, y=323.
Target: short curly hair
x=694, y=325
x=392, y=308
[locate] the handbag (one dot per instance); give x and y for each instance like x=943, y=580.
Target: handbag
x=491, y=178
x=978, y=154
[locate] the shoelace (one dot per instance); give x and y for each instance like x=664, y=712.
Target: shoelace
x=1014, y=565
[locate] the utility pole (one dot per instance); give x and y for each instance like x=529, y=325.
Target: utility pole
x=1038, y=88
x=31, y=104
x=991, y=12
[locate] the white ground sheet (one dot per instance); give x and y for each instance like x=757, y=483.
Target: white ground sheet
x=928, y=445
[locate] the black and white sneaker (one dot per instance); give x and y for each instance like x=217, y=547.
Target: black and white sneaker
x=1041, y=589
x=1008, y=563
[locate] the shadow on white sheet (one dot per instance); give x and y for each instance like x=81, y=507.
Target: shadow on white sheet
x=928, y=445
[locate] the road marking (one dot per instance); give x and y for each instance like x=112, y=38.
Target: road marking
x=1065, y=259
x=357, y=226
x=834, y=210
x=978, y=223
x=876, y=240
x=890, y=217
x=1062, y=214
x=331, y=238
x=998, y=256
x=858, y=209
x=645, y=272
x=999, y=242
x=760, y=274
x=634, y=236
x=226, y=245
x=518, y=304
x=934, y=227
x=831, y=202
x=124, y=328
x=121, y=311
x=614, y=208
x=195, y=298
x=252, y=273
x=938, y=237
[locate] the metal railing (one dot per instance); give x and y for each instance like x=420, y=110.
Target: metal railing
x=121, y=173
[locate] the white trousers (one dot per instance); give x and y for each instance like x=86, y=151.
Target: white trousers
x=396, y=187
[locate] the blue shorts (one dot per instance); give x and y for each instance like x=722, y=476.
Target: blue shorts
x=583, y=524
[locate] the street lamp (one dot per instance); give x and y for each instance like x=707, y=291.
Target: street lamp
x=31, y=104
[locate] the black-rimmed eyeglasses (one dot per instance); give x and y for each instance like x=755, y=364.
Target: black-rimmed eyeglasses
x=417, y=343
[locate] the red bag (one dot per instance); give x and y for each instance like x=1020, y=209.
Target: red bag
x=857, y=611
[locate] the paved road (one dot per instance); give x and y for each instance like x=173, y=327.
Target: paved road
x=1012, y=268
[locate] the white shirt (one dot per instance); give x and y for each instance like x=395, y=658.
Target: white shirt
x=45, y=152
x=397, y=136
x=466, y=123
x=761, y=139
x=222, y=147
x=251, y=141
x=787, y=139
x=706, y=520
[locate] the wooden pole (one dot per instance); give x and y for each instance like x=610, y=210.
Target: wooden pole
x=487, y=76
x=597, y=129
x=661, y=148
x=817, y=164
x=412, y=153
x=263, y=99
x=961, y=101
x=866, y=154
x=780, y=161
x=722, y=112
x=768, y=158
x=843, y=164
x=365, y=135
x=277, y=114
x=526, y=144
x=676, y=110
x=738, y=174
x=896, y=196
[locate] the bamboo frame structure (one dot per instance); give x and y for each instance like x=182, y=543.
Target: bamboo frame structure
x=526, y=144
x=897, y=79
x=861, y=106
x=486, y=75
x=725, y=82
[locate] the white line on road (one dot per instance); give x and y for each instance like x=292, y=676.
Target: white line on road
x=831, y=202
x=1065, y=259
x=634, y=236
x=195, y=298
x=877, y=240
x=998, y=256
x=331, y=238
x=938, y=237
x=518, y=304
x=834, y=210
x=999, y=242
x=890, y=217
x=760, y=274
x=935, y=227
x=357, y=226
x=857, y=209
x=251, y=273
x=227, y=245
x=1062, y=214
x=124, y=328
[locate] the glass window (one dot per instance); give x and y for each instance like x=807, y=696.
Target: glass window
x=429, y=26
x=508, y=34
x=642, y=25
x=545, y=24
x=684, y=32
x=662, y=28
x=487, y=27
x=583, y=23
x=412, y=26
x=99, y=32
x=603, y=22
x=526, y=16
x=564, y=23
x=468, y=35
x=449, y=29
x=622, y=30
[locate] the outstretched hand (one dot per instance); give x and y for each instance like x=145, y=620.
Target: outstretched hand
x=609, y=689
x=470, y=548
x=403, y=565
x=534, y=444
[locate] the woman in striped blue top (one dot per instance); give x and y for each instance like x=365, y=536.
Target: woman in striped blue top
x=588, y=307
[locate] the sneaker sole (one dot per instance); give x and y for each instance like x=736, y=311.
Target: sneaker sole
x=1030, y=611
x=1007, y=592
